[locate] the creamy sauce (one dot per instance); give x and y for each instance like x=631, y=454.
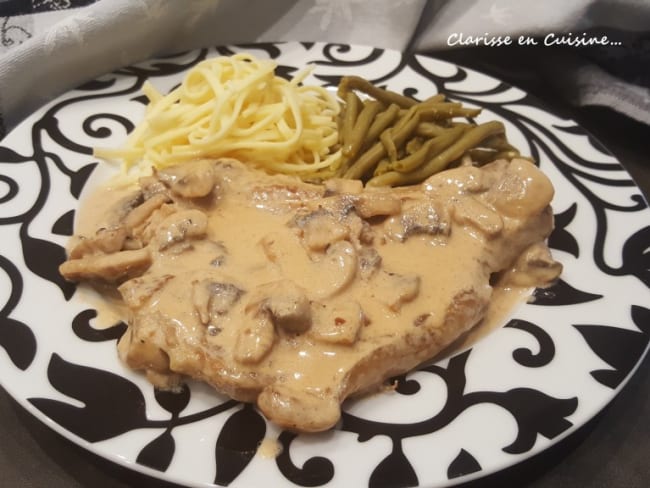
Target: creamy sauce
x=269, y=448
x=297, y=300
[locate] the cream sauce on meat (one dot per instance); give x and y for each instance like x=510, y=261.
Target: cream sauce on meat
x=296, y=295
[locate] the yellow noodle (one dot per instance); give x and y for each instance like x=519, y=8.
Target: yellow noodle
x=235, y=106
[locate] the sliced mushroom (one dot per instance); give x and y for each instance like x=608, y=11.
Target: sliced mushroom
x=107, y=267
x=287, y=303
x=105, y=240
x=369, y=262
x=255, y=339
x=523, y=190
x=152, y=186
x=212, y=299
x=141, y=213
x=320, y=229
x=177, y=227
x=198, y=182
x=419, y=219
x=337, y=269
x=470, y=211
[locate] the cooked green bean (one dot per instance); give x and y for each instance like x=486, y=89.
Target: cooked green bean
x=352, y=107
x=349, y=83
x=382, y=121
x=387, y=140
x=446, y=111
x=429, y=129
x=468, y=140
x=361, y=127
x=481, y=155
x=439, y=97
x=414, y=145
x=427, y=151
x=393, y=139
x=382, y=167
x=366, y=162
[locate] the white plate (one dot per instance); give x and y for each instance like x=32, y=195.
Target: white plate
x=552, y=367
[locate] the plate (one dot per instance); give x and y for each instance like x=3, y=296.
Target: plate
x=556, y=362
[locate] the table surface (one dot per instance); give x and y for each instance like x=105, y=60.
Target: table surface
x=610, y=451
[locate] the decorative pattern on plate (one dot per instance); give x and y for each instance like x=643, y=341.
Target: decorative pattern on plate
x=555, y=364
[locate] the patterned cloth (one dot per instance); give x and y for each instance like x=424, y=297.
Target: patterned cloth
x=50, y=46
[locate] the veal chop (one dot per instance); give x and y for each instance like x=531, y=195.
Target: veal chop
x=296, y=295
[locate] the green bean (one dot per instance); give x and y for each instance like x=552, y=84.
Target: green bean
x=482, y=156
x=368, y=160
x=507, y=155
x=381, y=123
x=352, y=107
x=349, y=83
x=467, y=141
x=387, y=140
x=428, y=130
x=444, y=111
x=414, y=145
x=428, y=150
x=361, y=127
x=382, y=167
x=438, y=97
x=391, y=178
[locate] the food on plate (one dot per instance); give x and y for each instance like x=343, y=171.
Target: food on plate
x=236, y=106
x=296, y=295
x=389, y=139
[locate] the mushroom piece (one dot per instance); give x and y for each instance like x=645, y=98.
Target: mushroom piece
x=320, y=229
x=105, y=240
x=180, y=226
x=196, y=183
x=522, y=190
x=212, y=299
x=337, y=269
x=424, y=218
x=470, y=211
x=288, y=305
x=142, y=212
x=255, y=340
x=107, y=267
x=369, y=262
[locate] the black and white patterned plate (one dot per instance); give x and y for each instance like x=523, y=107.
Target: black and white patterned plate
x=555, y=363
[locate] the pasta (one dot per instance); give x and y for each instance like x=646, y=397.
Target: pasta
x=235, y=107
